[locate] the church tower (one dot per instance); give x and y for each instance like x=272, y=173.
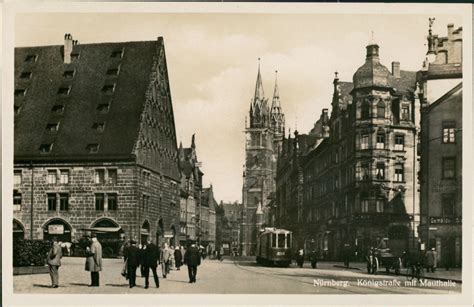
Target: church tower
x=264, y=135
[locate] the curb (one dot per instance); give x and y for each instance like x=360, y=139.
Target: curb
x=401, y=274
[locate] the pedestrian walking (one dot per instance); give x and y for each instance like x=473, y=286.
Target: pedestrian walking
x=192, y=259
x=150, y=255
x=300, y=258
x=131, y=256
x=221, y=251
x=314, y=259
x=178, y=257
x=94, y=260
x=172, y=260
x=54, y=262
x=431, y=259
x=347, y=254
x=165, y=260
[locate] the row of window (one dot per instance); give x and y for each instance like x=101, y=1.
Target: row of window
x=62, y=199
x=366, y=111
x=101, y=176
x=381, y=141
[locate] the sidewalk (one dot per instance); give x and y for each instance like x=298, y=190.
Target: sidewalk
x=440, y=274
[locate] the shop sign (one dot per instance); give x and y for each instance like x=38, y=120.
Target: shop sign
x=445, y=220
x=56, y=229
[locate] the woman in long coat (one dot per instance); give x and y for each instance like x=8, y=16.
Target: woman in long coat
x=94, y=260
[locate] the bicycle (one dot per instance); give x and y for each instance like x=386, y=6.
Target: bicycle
x=415, y=271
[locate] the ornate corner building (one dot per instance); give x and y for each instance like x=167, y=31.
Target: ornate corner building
x=264, y=135
x=352, y=181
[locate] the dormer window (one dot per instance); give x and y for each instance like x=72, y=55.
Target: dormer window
x=69, y=74
x=45, y=148
x=112, y=71
x=103, y=108
x=31, y=58
x=64, y=91
x=108, y=89
x=99, y=127
x=58, y=109
x=26, y=75
x=52, y=127
x=93, y=148
x=405, y=112
x=20, y=92
x=117, y=54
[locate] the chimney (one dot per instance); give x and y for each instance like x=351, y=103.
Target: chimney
x=68, y=43
x=450, y=30
x=396, y=69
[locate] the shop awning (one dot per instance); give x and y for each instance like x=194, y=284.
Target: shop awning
x=103, y=229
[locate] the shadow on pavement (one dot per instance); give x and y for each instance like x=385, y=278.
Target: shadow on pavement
x=79, y=284
x=41, y=286
x=118, y=285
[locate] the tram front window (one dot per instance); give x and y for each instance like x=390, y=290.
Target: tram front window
x=274, y=240
x=281, y=240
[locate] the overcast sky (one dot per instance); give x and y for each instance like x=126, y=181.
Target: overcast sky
x=212, y=65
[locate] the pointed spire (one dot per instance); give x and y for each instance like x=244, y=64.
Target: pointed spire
x=259, y=94
x=193, y=144
x=276, y=93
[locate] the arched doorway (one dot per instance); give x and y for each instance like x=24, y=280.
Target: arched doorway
x=58, y=228
x=18, y=230
x=107, y=229
x=160, y=231
x=145, y=231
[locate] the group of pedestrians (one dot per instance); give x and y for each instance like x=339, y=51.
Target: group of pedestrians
x=147, y=257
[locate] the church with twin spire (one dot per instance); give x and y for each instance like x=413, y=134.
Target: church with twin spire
x=264, y=132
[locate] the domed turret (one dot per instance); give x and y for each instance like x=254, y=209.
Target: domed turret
x=372, y=73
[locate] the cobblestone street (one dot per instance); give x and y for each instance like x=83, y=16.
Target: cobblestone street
x=229, y=276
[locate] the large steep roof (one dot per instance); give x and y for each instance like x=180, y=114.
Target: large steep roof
x=82, y=105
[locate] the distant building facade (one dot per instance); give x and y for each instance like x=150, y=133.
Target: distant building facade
x=264, y=134
x=95, y=142
x=208, y=203
x=441, y=147
x=229, y=217
x=190, y=193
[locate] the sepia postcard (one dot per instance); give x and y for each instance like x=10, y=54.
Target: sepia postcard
x=193, y=154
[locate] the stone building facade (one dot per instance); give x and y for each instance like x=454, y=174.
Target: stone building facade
x=190, y=193
x=264, y=135
x=229, y=219
x=208, y=203
x=441, y=147
x=359, y=168
x=95, y=143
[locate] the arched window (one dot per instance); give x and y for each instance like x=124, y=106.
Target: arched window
x=365, y=110
x=381, y=109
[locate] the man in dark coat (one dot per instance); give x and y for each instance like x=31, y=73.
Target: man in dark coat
x=192, y=259
x=314, y=259
x=150, y=255
x=131, y=256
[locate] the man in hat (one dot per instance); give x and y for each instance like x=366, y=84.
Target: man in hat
x=94, y=260
x=150, y=255
x=131, y=255
x=192, y=259
x=54, y=262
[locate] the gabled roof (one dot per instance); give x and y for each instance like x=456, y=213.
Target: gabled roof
x=454, y=94
x=76, y=124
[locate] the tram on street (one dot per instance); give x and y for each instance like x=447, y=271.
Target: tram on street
x=274, y=247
